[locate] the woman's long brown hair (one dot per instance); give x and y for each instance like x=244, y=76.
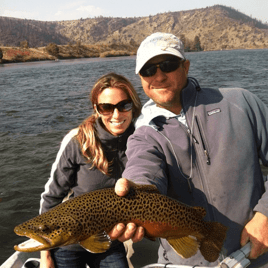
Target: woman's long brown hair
x=87, y=135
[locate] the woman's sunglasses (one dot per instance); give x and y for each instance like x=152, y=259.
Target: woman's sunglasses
x=108, y=108
x=166, y=66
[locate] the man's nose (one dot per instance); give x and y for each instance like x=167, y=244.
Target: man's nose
x=160, y=75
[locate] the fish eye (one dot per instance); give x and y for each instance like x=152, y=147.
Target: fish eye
x=42, y=227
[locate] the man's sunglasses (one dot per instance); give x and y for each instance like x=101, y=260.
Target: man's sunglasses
x=108, y=108
x=166, y=66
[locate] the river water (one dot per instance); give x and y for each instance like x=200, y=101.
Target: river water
x=41, y=101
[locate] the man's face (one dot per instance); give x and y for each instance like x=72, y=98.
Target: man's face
x=165, y=88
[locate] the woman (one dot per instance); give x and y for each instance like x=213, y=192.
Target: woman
x=92, y=157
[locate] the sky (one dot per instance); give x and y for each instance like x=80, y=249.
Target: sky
x=56, y=10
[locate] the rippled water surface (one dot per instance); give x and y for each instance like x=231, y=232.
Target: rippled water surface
x=41, y=102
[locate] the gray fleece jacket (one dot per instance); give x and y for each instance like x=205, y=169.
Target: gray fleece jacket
x=214, y=162
x=71, y=173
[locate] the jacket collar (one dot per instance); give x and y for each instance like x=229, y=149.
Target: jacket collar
x=110, y=141
x=150, y=110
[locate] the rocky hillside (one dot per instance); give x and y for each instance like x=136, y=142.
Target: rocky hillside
x=216, y=27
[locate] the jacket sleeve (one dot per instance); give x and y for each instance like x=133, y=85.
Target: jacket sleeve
x=146, y=162
x=258, y=113
x=62, y=176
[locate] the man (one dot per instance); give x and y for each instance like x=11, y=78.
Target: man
x=200, y=146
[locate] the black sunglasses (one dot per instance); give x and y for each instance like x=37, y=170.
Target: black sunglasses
x=166, y=66
x=108, y=108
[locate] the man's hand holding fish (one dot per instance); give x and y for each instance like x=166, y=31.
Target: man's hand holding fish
x=130, y=231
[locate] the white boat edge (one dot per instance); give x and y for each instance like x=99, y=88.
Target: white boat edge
x=140, y=254
x=18, y=259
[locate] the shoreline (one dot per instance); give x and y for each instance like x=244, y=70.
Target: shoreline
x=66, y=52
x=61, y=52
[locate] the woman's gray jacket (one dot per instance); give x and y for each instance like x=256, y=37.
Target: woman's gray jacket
x=220, y=151
x=71, y=173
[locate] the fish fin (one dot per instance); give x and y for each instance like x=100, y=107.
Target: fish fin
x=200, y=211
x=211, y=246
x=98, y=243
x=147, y=188
x=186, y=246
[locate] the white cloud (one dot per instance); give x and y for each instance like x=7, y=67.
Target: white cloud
x=74, y=12
x=65, y=15
x=73, y=5
x=91, y=11
x=20, y=14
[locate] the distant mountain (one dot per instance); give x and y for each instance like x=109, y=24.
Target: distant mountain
x=213, y=28
x=37, y=33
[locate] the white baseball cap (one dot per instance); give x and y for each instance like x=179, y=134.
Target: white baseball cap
x=158, y=44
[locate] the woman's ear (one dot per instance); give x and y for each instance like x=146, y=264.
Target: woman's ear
x=95, y=110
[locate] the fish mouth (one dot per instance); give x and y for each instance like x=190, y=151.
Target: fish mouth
x=35, y=243
x=45, y=236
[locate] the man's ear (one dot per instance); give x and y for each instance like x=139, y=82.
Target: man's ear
x=186, y=66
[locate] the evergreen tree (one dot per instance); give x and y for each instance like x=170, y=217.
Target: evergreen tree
x=197, y=44
x=1, y=54
x=53, y=49
x=24, y=44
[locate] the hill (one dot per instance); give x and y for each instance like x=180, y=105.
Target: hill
x=217, y=28
x=211, y=28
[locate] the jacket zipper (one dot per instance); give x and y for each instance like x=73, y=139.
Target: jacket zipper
x=203, y=142
x=191, y=134
x=177, y=160
x=206, y=153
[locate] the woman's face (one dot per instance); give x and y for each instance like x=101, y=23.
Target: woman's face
x=117, y=122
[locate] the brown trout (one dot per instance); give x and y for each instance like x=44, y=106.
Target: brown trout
x=88, y=218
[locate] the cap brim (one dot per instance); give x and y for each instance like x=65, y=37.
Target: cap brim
x=148, y=56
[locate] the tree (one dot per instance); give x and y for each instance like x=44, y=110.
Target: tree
x=53, y=49
x=186, y=42
x=183, y=39
x=24, y=44
x=197, y=44
x=1, y=54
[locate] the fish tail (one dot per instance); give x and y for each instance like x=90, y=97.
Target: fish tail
x=211, y=245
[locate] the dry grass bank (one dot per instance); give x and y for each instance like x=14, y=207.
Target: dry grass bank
x=18, y=54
